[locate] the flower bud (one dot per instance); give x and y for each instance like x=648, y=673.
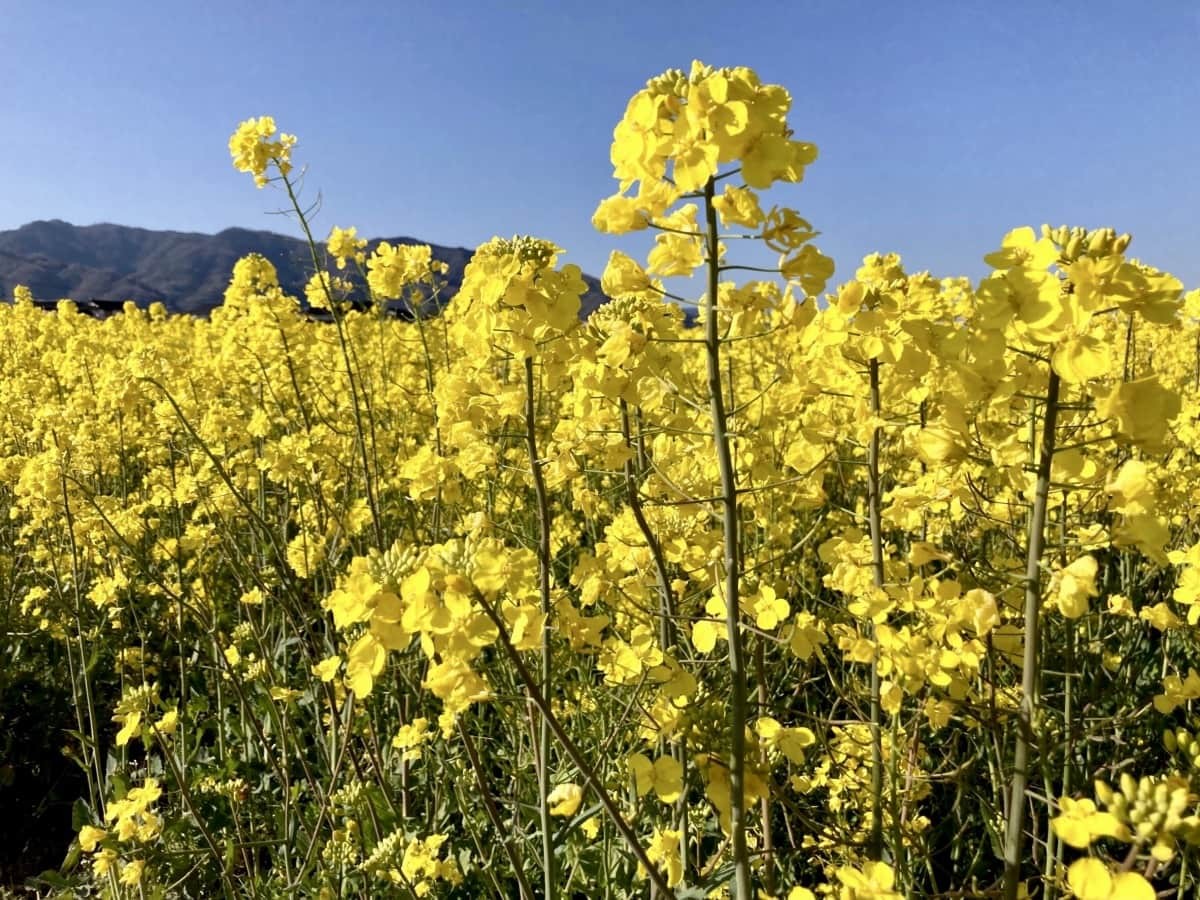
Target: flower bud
x=1099, y=241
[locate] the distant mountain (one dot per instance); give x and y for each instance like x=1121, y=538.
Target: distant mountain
x=187, y=271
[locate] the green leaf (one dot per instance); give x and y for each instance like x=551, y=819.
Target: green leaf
x=81, y=814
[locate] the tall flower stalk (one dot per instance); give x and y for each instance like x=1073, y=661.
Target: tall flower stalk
x=1014, y=839
x=740, y=884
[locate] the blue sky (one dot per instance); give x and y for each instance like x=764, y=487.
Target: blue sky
x=941, y=125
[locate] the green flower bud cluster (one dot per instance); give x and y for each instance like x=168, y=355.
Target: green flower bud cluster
x=627, y=309
x=393, y=565
x=529, y=251
x=1153, y=807
x=1077, y=242
x=343, y=847
x=385, y=854
x=671, y=82
x=347, y=795
x=139, y=699
x=232, y=788
x=459, y=555
x=1183, y=743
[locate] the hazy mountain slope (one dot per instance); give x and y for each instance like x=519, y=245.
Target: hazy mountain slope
x=187, y=271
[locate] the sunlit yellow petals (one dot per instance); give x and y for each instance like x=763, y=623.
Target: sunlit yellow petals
x=624, y=277
x=1141, y=410
x=131, y=873
x=773, y=157
x=1081, y=359
x=419, y=603
x=1074, y=585
x=1161, y=616
x=456, y=684
x=304, y=553
x=791, y=742
x=619, y=214
x=390, y=270
x=327, y=669
x=620, y=345
x=695, y=163
x=90, y=836
x=1131, y=886
x=664, y=776
x=1043, y=311
x=1022, y=248
x=675, y=252
x=1080, y=823
x=337, y=524
x=706, y=633
x=784, y=230
x=252, y=597
x=565, y=799
x=769, y=609
x=391, y=635
x=1131, y=488
x=1177, y=691
x=1149, y=534
x=937, y=444
x=354, y=601
x=525, y=625
x=253, y=150
x=1089, y=879
x=131, y=727
x=364, y=661
x=411, y=737
x=984, y=610
x=665, y=849
x=1152, y=295
x=1187, y=593
x=808, y=266
x=168, y=722
x=739, y=206
x=874, y=881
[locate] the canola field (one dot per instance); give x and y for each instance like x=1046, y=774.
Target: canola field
x=871, y=586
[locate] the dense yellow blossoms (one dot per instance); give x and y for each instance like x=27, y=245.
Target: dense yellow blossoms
x=443, y=606
x=254, y=152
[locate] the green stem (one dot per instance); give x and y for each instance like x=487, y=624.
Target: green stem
x=667, y=633
x=1015, y=835
x=543, y=511
x=89, y=748
x=764, y=709
x=875, y=841
x=740, y=885
x=359, y=431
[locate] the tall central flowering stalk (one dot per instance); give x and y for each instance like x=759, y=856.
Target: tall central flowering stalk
x=680, y=136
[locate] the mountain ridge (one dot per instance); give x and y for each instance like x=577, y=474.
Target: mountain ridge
x=186, y=270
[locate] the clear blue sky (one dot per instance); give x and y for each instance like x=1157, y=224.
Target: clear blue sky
x=941, y=125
